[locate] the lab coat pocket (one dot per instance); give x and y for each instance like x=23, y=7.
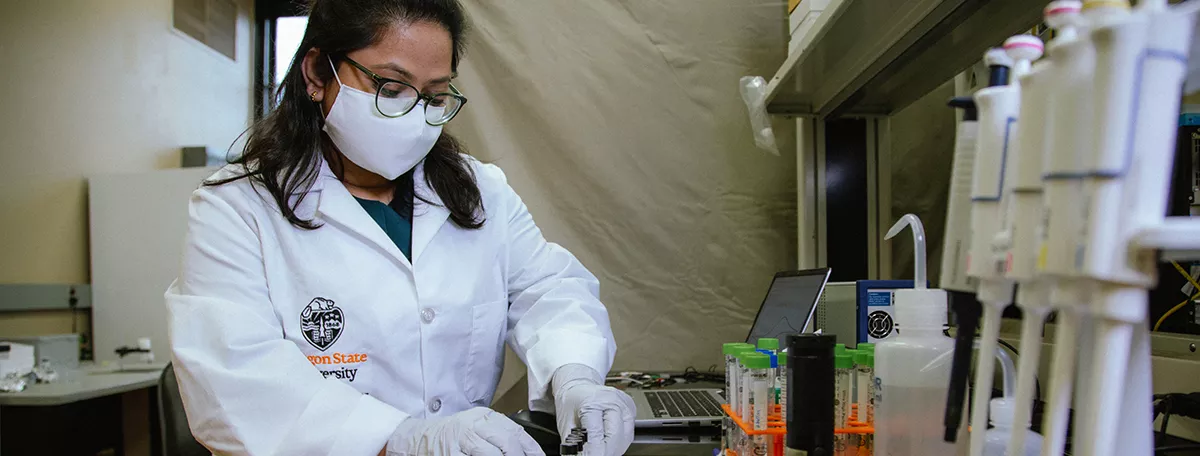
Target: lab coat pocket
x=485, y=358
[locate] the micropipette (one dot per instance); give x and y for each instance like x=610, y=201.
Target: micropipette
x=998, y=106
x=954, y=263
x=1016, y=243
x=1140, y=66
x=1059, y=222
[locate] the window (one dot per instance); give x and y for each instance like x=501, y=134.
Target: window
x=288, y=33
x=279, y=29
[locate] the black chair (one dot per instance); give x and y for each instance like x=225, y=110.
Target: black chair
x=176, y=436
x=542, y=427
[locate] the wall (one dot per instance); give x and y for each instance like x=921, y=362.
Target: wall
x=620, y=124
x=92, y=87
x=922, y=154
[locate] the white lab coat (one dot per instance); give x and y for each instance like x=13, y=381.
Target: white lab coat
x=294, y=342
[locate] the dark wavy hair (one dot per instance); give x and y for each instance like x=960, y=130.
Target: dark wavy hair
x=283, y=150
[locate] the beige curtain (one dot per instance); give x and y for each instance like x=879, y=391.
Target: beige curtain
x=621, y=126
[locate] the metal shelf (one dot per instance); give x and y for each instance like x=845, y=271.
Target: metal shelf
x=874, y=57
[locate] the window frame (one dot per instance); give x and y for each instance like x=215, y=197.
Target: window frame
x=267, y=15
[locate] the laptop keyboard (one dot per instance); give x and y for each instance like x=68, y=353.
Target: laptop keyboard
x=683, y=404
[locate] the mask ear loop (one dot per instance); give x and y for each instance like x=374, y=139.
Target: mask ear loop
x=334, y=68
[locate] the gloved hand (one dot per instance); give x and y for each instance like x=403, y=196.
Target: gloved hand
x=582, y=400
x=475, y=432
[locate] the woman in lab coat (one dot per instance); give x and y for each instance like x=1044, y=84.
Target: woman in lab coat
x=349, y=283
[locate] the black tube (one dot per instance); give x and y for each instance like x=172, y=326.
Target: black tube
x=966, y=313
x=997, y=75
x=810, y=394
x=967, y=104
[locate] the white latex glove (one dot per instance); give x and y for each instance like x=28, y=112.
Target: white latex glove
x=582, y=400
x=475, y=432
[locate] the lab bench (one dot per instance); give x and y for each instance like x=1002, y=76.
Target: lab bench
x=95, y=410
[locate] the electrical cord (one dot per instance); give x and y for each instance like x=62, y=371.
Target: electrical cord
x=1166, y=419
x=1173, y=448
x=1185, y=302
x=1186, y=274
x=1182, y=404
x=692, y=375
x=651, y=380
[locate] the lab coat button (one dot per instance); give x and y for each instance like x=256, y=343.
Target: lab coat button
x=427, y=315
x=435, y=405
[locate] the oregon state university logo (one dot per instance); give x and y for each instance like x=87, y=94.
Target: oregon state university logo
x=321, y=322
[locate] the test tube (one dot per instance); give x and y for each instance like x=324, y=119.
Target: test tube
x=745, y=412
x=840, y=349
x=767, y=343
x=860, y=396
x=758, y=368
x=865, y=370
x=772, y=345
x=843, y=378
x=743, y=386
x=732, y=375
x=781, y=386
x=771, y=380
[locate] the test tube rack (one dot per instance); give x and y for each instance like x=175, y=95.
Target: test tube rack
x=856, y=426
x=777, y=428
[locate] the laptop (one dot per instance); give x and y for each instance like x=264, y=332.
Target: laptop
x=700, y=435
x=788, y=308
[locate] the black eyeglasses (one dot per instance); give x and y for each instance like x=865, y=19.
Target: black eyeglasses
x=396, y=98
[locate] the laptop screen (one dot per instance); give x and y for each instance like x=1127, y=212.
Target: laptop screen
x=789, y=304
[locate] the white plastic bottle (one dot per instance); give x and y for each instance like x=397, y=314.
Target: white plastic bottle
x=997, y=438
x=912, y=370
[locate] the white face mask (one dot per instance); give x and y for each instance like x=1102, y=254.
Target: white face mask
x=383, y=145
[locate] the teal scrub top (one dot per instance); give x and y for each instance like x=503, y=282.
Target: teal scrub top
x=397, y=226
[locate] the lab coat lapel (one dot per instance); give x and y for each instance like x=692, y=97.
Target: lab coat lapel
x=336, y=205
x=429, y=217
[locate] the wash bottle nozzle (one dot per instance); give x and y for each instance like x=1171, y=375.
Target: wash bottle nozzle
x=918, y=233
